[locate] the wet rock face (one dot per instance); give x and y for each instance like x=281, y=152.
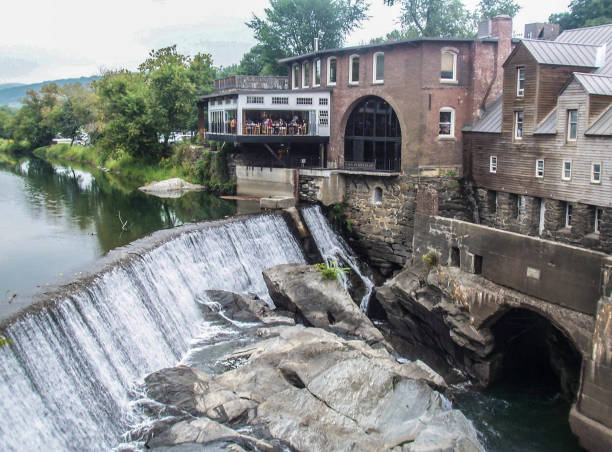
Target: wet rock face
x=319, y=302
x=308, y=389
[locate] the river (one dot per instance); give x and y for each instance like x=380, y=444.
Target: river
x=57, y=220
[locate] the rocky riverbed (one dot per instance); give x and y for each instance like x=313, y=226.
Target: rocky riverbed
x=318, y=377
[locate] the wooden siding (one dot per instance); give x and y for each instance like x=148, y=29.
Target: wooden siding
x=516, y=163
x=552, y=79
x=598, y=104
x=526, y=103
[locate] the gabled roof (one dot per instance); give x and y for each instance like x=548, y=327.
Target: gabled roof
x=491, y=120
x=599, y=35
x=595, y=83
x=563, y=54
x=603, y=124
x=548, y=126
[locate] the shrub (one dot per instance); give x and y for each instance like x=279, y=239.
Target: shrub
x=431, y=259
x=331, y=270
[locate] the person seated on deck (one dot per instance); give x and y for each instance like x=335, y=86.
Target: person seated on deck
x=233, y=125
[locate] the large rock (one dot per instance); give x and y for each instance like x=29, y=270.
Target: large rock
x=171, y=188
x=320, y=302
x=308, y=389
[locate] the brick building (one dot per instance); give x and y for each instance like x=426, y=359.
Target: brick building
x=539, y=156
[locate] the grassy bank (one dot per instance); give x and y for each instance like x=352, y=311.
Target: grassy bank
x=194, y=164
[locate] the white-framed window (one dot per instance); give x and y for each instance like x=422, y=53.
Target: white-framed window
x=598, y=216
x=448, y=67
x=280, y=100
x=518, y=125
x=295, y=76
x=520, y=81
x=493, y=164
x=303, y=100
x=566, y=170
x=572, y=125
x=324, y=117
x=323, y=101
x=354, y=70
x=316, y=65
x=378, y=67
x=568, y=215
x=305, y=74
x=332, y=71
x=596, y=173
x=447, y=122
x=255, y=100
x=539, y=170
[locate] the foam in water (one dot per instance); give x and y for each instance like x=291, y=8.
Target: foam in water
x=334, y=249
x=66, y=382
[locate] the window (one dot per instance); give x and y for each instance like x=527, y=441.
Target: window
x=598, y=215
x=448, y=69
x=596, y=173
x=520, y=81
x=493, y=164
x=518, y=125
x=572, y=125
x=324, y=118
x=280, y=100
x=566, y=170
x=568, y=215
x=377, y=195
x=255, y=100
x=323, y=101
x=305, y=74
x=295, y=77
x=331, y=71
x=520, y=204
x=304, y=100
x=354, y=70
x=539, y=168
x=447, y=122
x=378, y=71
x=317, y=72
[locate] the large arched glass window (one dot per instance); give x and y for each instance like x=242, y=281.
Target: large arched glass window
x=378, y=67
x=373, y=138
x=305, y=74
x=295, y=80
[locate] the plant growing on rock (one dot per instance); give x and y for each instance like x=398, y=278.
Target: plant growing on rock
x=431, y=259
x=5, y=341
x=331, y=270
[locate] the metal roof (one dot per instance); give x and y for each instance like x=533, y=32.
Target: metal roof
x=548, y=126
x=595, y=83
x=603, y=125
x=599, y=35
x=491, y=120
x=563, y=54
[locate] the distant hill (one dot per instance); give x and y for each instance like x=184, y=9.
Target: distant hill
x=12, y=93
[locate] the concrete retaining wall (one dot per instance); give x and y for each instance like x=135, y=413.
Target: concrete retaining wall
x=266, y=182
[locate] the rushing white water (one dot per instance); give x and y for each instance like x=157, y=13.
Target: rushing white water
x=333, y=248
x=65, y=383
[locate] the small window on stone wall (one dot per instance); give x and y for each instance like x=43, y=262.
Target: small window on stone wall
x=455, y=257
x=377, y=195
x=492, y=201
x=477, y=264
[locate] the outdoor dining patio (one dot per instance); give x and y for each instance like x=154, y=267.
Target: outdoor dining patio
x=275, y=129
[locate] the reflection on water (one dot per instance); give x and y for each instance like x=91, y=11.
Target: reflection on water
x=57, y=220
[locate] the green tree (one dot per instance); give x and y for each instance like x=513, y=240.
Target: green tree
x=584, y=13
x=126, y=115
x=74, y=111
x=487, y=9
x=173, y=93
x=33, y=123
x=202, y=73
x=6, y=121
x=290, y=27
x=253, y=62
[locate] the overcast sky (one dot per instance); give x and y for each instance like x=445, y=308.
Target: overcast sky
x=45, y=40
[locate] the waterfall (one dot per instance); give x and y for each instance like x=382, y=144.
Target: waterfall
x=333, y=248
x=65, y=383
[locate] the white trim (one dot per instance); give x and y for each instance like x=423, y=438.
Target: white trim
x=375, y=68
x=493, y=164
x=516, y=121
x=328, y=71
x=563, y=177
x=294, y=82
x=568, y=136
x=304, y=79
x=350, y=80
x=537, y=169
x=314, y=73
x=598, y=180
x=452, y=122
x=568, y=215
x=520, y=92
x=449, y=80
x=598, y=214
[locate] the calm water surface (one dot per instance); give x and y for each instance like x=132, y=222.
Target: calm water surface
x=55, y=221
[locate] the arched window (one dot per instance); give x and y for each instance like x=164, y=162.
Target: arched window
x=448, y=67
x=354, y=70
x=331, y=71
x=373, y=139
x=447, y=123
x=378, y=68
x=316, y=72
x=295, y=79
x=305, y=74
